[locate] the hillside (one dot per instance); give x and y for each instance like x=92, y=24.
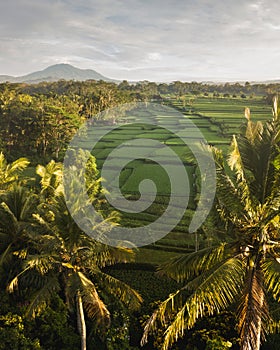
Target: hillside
x=56, y=72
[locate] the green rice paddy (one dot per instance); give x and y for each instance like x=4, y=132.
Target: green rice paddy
x=217, y=118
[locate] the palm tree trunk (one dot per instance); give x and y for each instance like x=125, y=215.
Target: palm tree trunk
x=255, y=308
x=196, y=242
x=81, y=321
x=259, y=324
x=246, y=344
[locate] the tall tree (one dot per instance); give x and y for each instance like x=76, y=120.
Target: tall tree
x=17, y=204
x=66, y=258
x=17, y=207
x=244, y=268
x=63, y=257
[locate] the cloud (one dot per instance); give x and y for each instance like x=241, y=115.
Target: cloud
x=142, y=39
x=153, y=56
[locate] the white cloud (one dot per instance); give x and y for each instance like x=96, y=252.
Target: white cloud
x=153, y=56
x=141, y=39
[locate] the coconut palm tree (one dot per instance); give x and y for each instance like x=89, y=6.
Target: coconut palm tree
x=245, y=268
x=66, y=258
x=17, y=206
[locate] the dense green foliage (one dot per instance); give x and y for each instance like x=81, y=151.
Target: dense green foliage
x=45, y=255
x=53, y=276
x=39, y=121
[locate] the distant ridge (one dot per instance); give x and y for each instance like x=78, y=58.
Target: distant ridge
x=64, y=71
x=55, y=73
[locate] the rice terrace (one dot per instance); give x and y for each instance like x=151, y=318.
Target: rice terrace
x=218, y=118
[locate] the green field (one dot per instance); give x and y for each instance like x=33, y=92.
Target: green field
x=217, y=118
x=226, y=114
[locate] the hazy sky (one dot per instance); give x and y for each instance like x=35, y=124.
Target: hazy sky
x=157, y=40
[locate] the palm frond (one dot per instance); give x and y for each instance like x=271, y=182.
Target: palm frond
x=274, y=327
x=94, y=306
x=18, y=165
x=107, y=255
x=41, y=297
x=29, y=207
x=120, y=290
x=264, y=167
x=228, y=196
x=275, y=108
x=42, y=263
x=235, y=160
x=214, y=292
x=162, y=314
x=9, y=222
x=5, y=256
x=253, y=130
x=10, y=172
x=13, y=285
x=51, y=177
x=271, y=275
x=236, y=163
x=190, y=265
x=21, y=203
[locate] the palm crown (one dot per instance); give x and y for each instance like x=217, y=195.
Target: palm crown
x=245, y=267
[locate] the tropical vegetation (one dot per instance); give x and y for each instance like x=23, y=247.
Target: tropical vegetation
x=61, y=289
x=243, y=268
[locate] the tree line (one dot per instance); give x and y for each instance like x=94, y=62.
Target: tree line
x=39, y=120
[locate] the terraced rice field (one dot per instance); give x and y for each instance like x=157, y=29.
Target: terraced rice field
x=226, y=114
x=217, y=119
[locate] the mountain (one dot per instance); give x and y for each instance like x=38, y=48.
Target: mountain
x=54, y=73
x=4, y=78
x=267, y=82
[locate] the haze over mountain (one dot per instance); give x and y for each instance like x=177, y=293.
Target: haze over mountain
x=68, y=72
x=54, y=73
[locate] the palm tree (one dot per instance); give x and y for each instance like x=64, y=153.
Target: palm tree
x=9, y=173
x=69, y=259
x=51, y=178
x=17, y=206
x=243, y=269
